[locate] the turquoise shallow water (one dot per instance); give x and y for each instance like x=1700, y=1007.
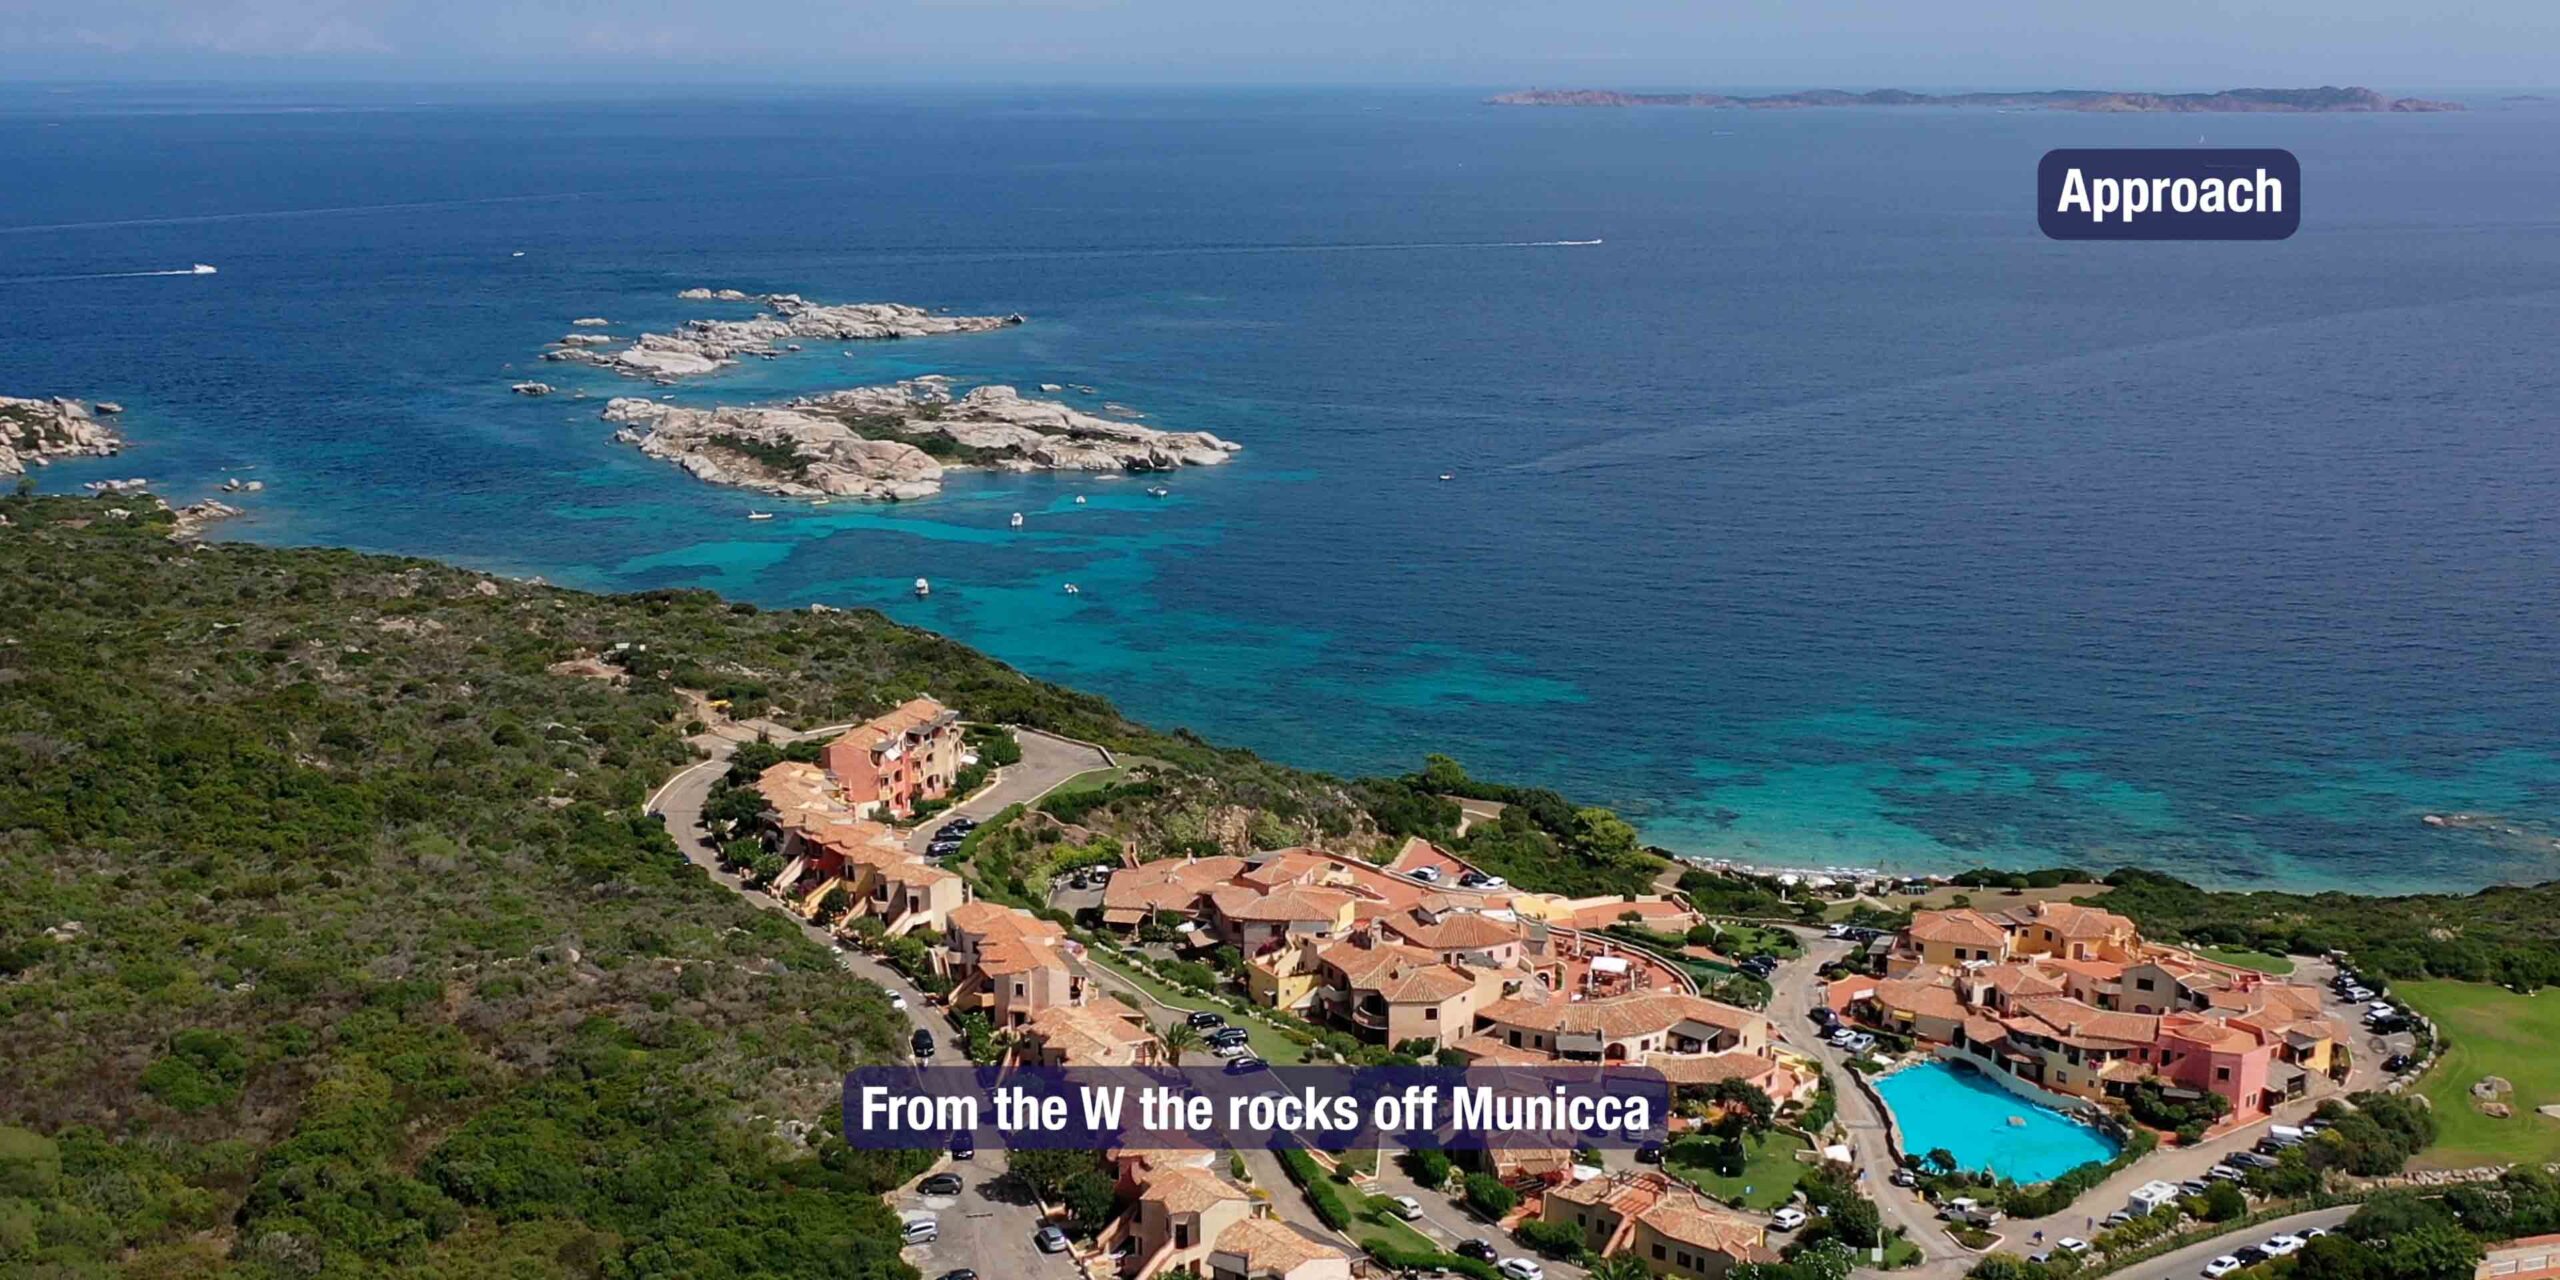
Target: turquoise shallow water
x=1940, y=1106
x=1800, y=523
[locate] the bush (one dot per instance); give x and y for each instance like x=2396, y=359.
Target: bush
x=1426, y=1167
x=1559, y=1240
x=1488, y=1197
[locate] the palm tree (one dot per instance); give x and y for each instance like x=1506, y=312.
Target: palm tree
x=1177, y=1039
x=1619, y=1266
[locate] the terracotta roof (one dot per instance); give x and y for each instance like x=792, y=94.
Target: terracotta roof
x=1919, y=997
x=1691, y=1221
x=2072, y=920
x=1287, y=904
x=1270, y=1245
x=1491, y=1051
x=1188, y=1189
x=1453, y=931
x=1963, y=926
x=1621, y=1017
x=1011, y=955
x=903, y=719
x=1087, y=1036
x=990, y=921
x=1174, y=884
x=1423, y=984
x=1685, y=1068
x=2019, y=980
x=918, y=873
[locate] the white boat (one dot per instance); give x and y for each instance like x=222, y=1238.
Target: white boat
x=1016, y=521
x=1079, y=499
x=1158, y=491
x=923, y=588
x=1448, y=475
x=759, y=515
x=819, y=502
x=199, y=269
x=1071, y=590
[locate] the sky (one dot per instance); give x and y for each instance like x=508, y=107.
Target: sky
x=2398, y=46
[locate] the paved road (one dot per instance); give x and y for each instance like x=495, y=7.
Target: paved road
x=1046, y=762
x=2188, y=1263
x=1796, y=988
x=988, y=1234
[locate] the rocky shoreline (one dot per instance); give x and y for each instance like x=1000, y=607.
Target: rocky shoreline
x=893, y=443
x=35, y=432
x=704, y=346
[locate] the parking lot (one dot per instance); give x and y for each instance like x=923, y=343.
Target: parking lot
x=987, y=1228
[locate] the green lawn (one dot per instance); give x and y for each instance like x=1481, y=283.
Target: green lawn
x=1089, y=780
x=1268, y=1044
x=2246, y=959
x=1770, y=1169
x=2492, y=1032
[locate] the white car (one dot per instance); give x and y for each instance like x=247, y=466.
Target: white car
x=1233, y=1049
x=1427, y=875
x=897, y=1002
x=1521, y=1269
x=2380, y=1008
x=2280, y=1246
x=1408, y=1208
x=1787, y=1219
x=1493, y=882
x=2220, y=1267
x=2072, y=1244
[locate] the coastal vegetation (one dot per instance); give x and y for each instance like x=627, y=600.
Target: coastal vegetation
x=333, y=941
x=2508, y=935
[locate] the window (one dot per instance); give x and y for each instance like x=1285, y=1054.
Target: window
x=2222, y=1073
x=1658, y=1254
x=1431, y=1014
x=2144, y=983
x=1017, y=990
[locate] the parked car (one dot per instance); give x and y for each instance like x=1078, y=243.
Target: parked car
x=1221, y=1035
x=1905, y=1178
x=2194, y=1187
x=2223, y=1173
x=2251, y=1255
x=919, y=1228
x=921, y=1042
x=2279, y=1246
x=897, y=1002
x=1787, y=1218
x=1232, y=1049
x=2220, y=1267
x=940, y=1184
x=2254, y=1160
x=1649, y=1153
x=958, y=1273
x=1202, y=1020
x=1246, y=1065
x=964, y=1145
x=2310, y=1234
x=2398, y=1062
x=1407, y=1207
x=1476, y=1249
x=1427, y=875
x=1521, y=1269
x=2072, y=1245
x=2116, y=1219
x=1050, y=1240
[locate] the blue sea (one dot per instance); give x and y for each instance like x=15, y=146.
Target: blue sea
x=1823, y=513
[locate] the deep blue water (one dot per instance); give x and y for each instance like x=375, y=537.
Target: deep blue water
x=1825, y=513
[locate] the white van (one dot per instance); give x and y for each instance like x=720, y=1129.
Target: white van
x=2285, y=1135
x=919, y=1228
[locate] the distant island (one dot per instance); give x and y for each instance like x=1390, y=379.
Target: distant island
x=2326, y=98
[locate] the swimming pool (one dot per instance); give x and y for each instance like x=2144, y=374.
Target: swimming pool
x=1942, y=1106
